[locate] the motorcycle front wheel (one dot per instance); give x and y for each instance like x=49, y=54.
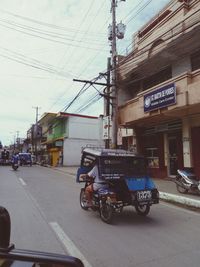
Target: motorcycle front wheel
x=142, y=210
x=106, y=213
x=83, y=200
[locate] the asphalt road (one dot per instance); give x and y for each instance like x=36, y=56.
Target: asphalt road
x=46, y=215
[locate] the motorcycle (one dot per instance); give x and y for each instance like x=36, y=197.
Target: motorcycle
x=187, y=181
x=15, y=166
x=126, y=180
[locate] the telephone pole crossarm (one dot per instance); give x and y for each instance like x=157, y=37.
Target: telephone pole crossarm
x=91, y=83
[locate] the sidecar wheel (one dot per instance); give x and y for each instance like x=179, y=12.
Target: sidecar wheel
x=142, y=210
x=83, y=200
x=106, y=213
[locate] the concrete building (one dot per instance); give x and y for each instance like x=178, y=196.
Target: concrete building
x=159, y=89
x=67, y=133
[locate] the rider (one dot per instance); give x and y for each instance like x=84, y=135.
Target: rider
x=96, y=184
x=15, y=158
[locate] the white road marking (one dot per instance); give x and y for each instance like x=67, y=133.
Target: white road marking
x=22, y=181
x=68, y=244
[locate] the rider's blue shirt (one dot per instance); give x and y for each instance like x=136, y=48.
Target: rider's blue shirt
x=15, y=159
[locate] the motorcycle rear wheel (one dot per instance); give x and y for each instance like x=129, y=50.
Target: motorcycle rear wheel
x=106, y=213
x=83, y=200
x=15, y=168
x=142, y=210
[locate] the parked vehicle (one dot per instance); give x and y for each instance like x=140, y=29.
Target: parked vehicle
x=5, y=157
x=127, y=182
x=187, y=181
x=9, y=256
x=25, y=159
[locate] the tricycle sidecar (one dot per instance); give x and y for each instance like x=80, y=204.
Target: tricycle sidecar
x=127, y=182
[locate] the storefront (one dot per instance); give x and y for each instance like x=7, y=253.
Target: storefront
x=195, y=136
x=163, y=147
x=170, y=141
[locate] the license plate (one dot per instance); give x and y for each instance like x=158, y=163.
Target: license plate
x=144, y=195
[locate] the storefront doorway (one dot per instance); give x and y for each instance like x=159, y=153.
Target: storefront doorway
x=173, y=156
x=195, y=134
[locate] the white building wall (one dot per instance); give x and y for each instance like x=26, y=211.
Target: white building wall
x=82, y=131
x=84, y=128
x=72, y=150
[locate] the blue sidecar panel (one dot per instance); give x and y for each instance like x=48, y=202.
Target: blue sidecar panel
x=142, y=183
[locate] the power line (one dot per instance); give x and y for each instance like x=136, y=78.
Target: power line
x=52, y=40
x=50, y=33
x=47, y=24
x=20, y=58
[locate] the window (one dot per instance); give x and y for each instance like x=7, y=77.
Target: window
x=152, y=157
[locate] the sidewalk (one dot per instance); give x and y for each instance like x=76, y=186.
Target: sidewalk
x=166, y=188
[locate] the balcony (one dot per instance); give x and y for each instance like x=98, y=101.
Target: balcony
x=162, y=47
x=187, y=103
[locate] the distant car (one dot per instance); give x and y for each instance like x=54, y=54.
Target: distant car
x=25, y=159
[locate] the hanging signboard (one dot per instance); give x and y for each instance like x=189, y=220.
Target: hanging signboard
x=119, y=137
x=107, y=126
x=160, y=98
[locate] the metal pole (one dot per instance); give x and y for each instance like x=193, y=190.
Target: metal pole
x=36, y=130
x=114, y=79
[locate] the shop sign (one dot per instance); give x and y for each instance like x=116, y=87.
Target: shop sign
x=119, y=137
x=107, y=127
x=159, y=98
x=59, y=143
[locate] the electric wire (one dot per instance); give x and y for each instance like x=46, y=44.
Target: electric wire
x=41, y=23
x=50, y=33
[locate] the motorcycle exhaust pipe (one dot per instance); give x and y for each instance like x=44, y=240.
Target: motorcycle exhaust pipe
x=183, y=185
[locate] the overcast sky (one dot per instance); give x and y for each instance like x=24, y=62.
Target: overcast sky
x=46, y=43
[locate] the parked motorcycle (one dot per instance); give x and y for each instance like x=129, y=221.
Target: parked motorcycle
x=187, y=181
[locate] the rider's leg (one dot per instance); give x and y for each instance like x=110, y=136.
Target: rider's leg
x=88, y=192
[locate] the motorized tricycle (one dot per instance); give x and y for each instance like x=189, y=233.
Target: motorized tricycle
x=126, y=178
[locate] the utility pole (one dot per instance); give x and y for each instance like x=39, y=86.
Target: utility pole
x=107, y=102
x=116, y=31
x=35, y=130
x=17, y=139
x=114, y=78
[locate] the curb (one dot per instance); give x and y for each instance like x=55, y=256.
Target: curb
x=173, y=198
x=180, y=200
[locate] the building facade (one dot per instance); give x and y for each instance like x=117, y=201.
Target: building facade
x=66, y=134
x=159, y=89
